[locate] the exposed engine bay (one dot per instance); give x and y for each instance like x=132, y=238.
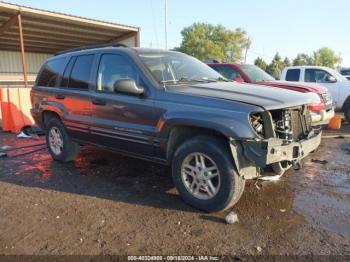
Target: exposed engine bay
x=290, y=125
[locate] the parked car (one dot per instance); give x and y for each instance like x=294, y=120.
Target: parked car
x=337, y=85
x=170, y=108
x=321, y=111
x=345, y=72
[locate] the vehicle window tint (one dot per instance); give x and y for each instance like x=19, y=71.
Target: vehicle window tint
x=345, y=72
x=228, y=72
x=67, y=71
x=51, y=72
x=293, y=75
x=317, y=76
x=113, y=68
x=80, y=75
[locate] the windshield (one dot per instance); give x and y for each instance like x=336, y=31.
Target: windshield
x=176, y=68
x=255, y=73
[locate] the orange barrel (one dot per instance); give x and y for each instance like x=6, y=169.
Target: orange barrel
x=335, y=122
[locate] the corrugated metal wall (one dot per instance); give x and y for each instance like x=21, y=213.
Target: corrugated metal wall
x=11, y=62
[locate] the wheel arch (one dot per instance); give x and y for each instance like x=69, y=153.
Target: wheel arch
x=47, y=115
x=346, y=104
x=181, y=133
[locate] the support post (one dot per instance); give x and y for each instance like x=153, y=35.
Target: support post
x=24, y=65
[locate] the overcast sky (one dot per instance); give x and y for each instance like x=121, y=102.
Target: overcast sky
x=286, y=26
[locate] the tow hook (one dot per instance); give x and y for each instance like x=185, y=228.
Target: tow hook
x=297, y=165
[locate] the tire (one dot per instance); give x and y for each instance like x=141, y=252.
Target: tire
x=347, y=113
x=228, y=184
x=68, y=148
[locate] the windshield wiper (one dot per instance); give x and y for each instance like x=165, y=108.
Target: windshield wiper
x=185, y=80
x=219, y=79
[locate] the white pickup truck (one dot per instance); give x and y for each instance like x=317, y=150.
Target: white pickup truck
x=337, y=85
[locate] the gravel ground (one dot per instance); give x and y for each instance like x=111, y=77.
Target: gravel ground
x=109, y=204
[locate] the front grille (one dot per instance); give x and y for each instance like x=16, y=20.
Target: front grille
x=301, y=124
x=292, y=124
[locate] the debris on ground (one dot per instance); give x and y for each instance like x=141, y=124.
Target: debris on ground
x=259, y=249
x=283, y=210
x=23, y=135
x=323, y=162
x=231, y=218
x=270, y=178
x=3, y=155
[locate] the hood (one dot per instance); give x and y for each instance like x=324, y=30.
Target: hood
x=267, y=97
x=297, y=86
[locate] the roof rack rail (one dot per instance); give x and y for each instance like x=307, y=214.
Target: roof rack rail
x=87, y=47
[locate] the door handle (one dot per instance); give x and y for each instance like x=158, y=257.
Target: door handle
x=99, y=102
x=60, y=96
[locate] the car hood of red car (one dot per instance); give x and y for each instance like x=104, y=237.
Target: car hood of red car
x=296, y=86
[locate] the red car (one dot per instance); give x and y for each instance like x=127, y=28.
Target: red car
x=322, y=111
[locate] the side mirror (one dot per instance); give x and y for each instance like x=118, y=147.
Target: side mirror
x=331, y=79
x=128, y=86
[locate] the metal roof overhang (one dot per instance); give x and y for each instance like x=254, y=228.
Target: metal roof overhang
x=51, y=32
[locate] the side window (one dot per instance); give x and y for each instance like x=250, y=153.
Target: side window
x=293, y=75
x=67, y=71
x=113, y=68
x=317, y=76
x=51, y=71
x=80, y=76
x=228, y=72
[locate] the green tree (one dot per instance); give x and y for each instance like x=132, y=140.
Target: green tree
x=326, y=57
x=303, y=59
x=286, y=62
x=275, y=67
x=205, y=41
x=259, y=62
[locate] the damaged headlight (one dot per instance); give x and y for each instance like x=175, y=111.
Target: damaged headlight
x=257, y=123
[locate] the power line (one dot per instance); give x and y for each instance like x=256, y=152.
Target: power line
x=166, y=23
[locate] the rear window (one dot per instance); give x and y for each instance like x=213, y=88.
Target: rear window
x=50, y=72
x=293, y=75
x=80, y=76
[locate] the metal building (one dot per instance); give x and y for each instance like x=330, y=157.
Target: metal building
x=28, y=36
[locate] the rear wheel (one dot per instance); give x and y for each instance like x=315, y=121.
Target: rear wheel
x=205, y=176
x=59, y=143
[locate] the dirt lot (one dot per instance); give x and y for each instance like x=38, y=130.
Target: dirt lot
x=109, y=204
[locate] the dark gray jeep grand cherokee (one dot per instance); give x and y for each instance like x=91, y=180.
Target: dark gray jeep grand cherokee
x=170, y=108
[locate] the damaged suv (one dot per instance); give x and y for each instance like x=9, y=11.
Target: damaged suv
x=170, y=108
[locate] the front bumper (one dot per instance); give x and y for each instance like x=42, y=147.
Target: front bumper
x=249, y=155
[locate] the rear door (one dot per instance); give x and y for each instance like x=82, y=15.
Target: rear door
x=74, y=96
x=122, y=121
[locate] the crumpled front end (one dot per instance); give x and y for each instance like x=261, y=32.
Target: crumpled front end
x=284, y=137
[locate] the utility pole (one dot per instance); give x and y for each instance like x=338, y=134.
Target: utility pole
x=246, y=51
x=166, y=22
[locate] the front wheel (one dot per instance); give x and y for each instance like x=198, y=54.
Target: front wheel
x=205, y=176
x=347, y=114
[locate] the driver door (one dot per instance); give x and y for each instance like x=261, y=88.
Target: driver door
x=121, y=121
